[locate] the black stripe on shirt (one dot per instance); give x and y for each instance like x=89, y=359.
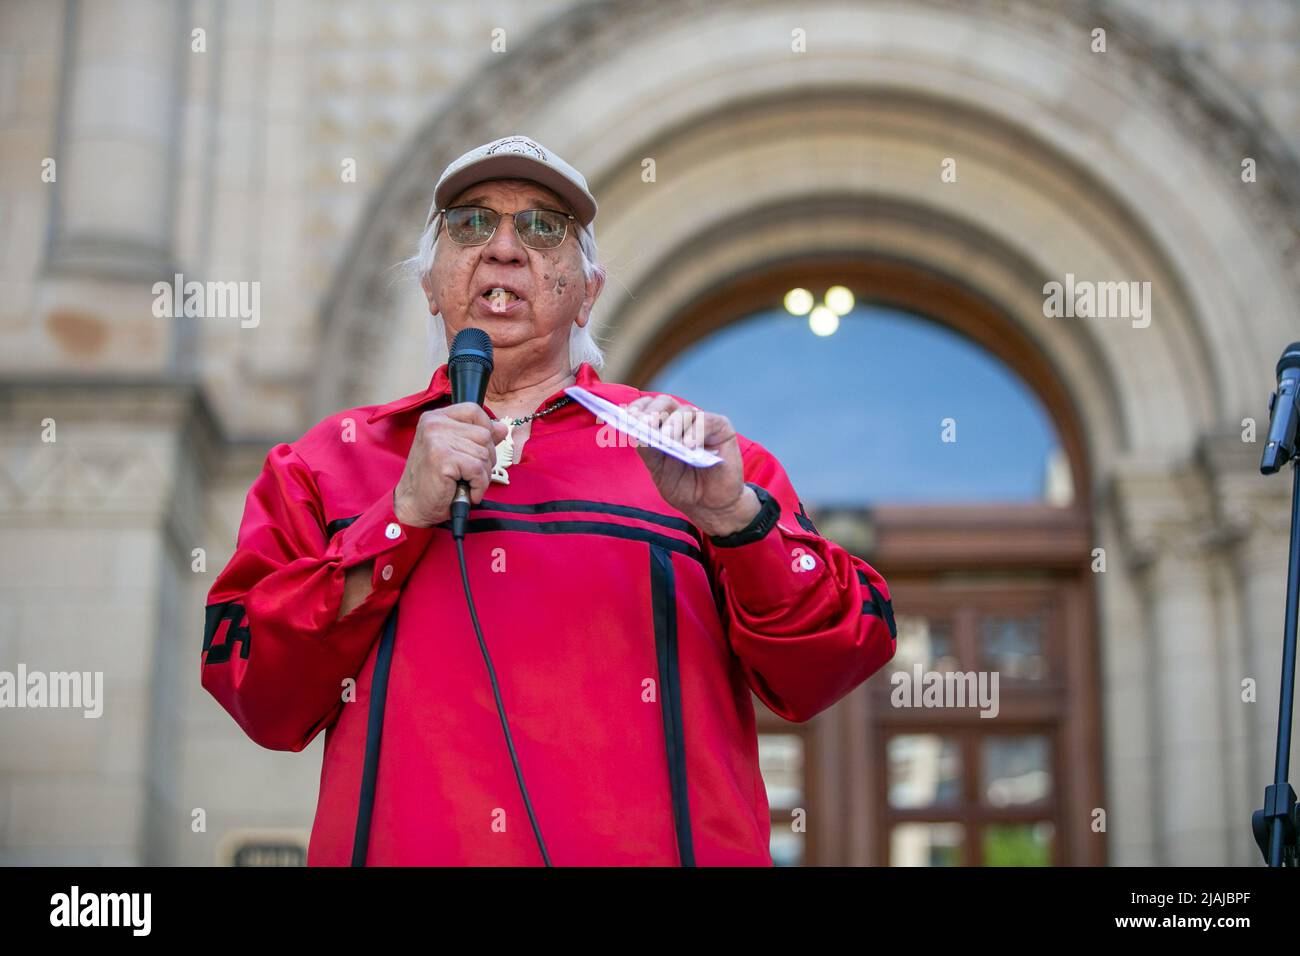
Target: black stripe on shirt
x=236, y=633
x=562, y=505
x=337, y=525
x=374, y=734
x=607, y=528
x=664, y=601
x=879, y=606
x=596, y=507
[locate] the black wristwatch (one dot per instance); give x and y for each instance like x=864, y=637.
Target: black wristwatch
x=768, y=514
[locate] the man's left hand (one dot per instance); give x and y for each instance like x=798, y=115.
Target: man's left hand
x=715, y=499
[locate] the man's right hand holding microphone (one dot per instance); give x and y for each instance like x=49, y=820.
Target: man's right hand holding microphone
x=451, y=444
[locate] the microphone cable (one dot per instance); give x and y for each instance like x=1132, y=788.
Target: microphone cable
x=458, y=533
x=469, y=366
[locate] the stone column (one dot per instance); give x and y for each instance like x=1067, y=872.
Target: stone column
x=1128, y=713
x=1171, y=547
x=1257, y=510
x=117, y=139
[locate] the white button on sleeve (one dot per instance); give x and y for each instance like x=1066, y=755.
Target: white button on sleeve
x=394, y=530
x=387, y=573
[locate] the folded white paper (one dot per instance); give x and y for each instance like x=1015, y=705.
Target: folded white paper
x=619, y=418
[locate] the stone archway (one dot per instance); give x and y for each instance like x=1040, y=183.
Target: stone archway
x=1141, y=124
x=1068, y=162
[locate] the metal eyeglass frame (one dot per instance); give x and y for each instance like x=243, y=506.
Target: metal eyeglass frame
x=442, y=222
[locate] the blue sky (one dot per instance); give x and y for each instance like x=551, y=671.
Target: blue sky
x=855, y=416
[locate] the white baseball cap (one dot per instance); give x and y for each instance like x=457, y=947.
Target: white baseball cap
x=515, y=157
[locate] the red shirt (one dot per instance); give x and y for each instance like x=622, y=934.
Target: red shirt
x=626, y=645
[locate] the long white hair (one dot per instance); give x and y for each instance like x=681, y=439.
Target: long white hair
x=582, y=344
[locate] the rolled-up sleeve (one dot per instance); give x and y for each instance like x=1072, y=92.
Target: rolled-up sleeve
x=807, y=620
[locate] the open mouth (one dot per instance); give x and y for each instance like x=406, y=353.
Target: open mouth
x=500, y=300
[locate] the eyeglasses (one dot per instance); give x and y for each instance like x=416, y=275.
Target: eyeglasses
x=536, y=228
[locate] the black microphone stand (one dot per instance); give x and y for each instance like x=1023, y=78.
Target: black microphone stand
x=1277, y=825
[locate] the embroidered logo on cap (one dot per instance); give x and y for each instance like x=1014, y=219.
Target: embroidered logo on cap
x=518, y=144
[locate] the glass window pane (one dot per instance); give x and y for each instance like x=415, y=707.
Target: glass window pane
x=1018, y=844
x=1014, y=646
x=924, y=641
x=926, y=844
x=924, y=770
x=1016, y=770
x=780, y=761
x=882, y=426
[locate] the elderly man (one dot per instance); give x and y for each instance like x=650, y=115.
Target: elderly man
x=631, y=602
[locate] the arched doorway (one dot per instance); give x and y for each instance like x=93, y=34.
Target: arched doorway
x=979, y=519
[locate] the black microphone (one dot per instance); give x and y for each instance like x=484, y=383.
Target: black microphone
x=1284, y=406
x=469, y=368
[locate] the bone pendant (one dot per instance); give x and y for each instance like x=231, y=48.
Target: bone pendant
x=505, y=456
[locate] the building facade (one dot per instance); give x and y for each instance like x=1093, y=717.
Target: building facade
x=948, y=158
